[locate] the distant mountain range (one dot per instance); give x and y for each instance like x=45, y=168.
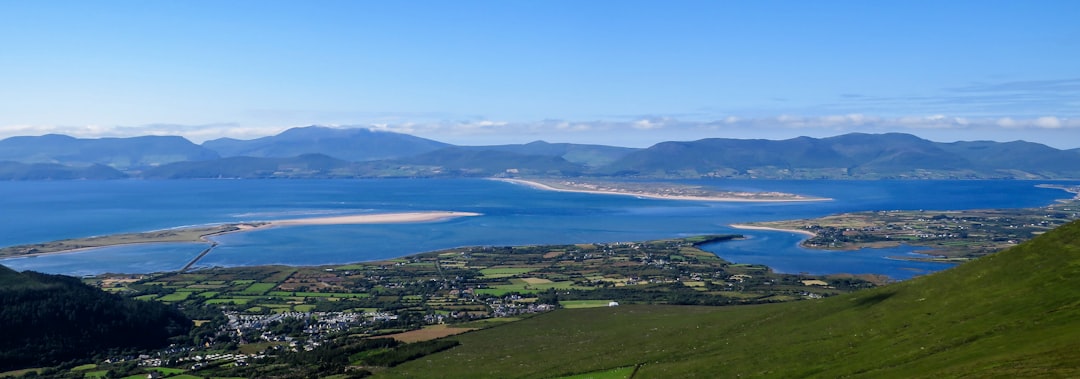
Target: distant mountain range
x=347, y=144
x=322, y=152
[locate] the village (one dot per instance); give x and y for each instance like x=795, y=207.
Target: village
x=246, y=314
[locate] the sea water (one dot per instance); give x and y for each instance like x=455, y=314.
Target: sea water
x=512, y=214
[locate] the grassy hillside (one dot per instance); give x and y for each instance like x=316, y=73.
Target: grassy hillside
x=1011, y=314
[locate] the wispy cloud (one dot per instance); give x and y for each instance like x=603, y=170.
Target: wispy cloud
x=1057, y=86
x=1032, y=98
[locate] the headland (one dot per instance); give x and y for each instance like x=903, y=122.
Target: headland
x=662, y=191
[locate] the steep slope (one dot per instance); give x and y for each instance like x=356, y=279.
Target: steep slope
x=351, y=144
x=1012, y=314
x=50, y=319
x=120, y=153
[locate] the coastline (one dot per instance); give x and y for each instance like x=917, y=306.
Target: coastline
x=546, y=187
x=752, y=227
x=204, y=233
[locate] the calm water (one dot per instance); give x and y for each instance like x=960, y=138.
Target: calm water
x=512, y=214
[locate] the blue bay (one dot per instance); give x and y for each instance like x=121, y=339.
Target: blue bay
x=512, y=215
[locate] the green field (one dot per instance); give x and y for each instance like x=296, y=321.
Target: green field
x=175, y=296
x=521, y=287
x=88, y=366
x=228, y=301
x=166, y=370
x=575, y=304
x=505, y=272
x=258, y=288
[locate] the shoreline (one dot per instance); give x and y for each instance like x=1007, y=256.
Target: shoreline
x=766, y=228
x=242, y=227
x=734, y=199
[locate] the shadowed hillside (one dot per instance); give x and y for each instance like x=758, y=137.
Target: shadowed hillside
x=119, y=153
x=52, y=171
x=50, y=319
x=1012, y=314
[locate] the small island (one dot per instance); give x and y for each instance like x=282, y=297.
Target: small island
x=664, y=191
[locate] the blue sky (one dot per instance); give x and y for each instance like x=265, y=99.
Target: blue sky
x=477, y=72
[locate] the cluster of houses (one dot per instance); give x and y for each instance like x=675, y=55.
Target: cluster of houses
x=319, y=322
x=511, y=305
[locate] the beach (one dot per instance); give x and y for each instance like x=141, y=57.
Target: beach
x=752, y=227
x=747, y=197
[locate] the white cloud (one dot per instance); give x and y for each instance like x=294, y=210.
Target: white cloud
x=1007, y=122
x=651, y=123
x=1049, y=122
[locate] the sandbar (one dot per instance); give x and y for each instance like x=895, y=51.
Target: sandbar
x=204, y=233
x=748, y=197
x=376, y=218
x=752, y=227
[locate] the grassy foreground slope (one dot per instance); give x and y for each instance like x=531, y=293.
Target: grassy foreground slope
x=1011, y=314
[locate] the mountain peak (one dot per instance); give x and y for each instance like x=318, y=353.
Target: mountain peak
x=351, y=144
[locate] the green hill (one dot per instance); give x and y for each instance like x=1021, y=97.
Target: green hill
x=1012, y=314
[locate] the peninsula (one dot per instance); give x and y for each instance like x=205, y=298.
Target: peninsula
x=205, y=232
x=952, y=235
x=664, y=191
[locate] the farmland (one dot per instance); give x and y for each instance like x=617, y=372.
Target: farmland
x=296, y=315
